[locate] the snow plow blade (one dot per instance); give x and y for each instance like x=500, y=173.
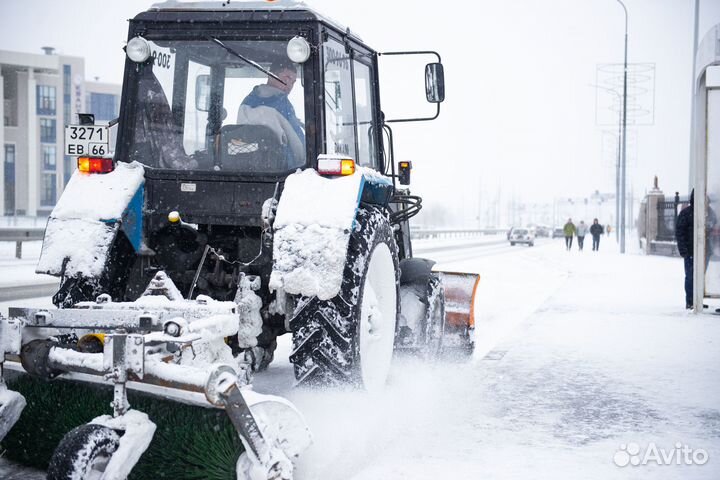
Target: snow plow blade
x=460, y=289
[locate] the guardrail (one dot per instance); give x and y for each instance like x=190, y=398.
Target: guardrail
x=448, y=233
x=28, y=234
x=20, y=235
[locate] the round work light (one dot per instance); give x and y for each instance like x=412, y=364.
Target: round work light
x=138, y=49
x=298, y=50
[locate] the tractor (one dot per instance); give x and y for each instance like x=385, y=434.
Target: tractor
x=251, y=192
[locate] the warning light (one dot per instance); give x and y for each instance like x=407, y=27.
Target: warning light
x=329, y=165
x=95, y=165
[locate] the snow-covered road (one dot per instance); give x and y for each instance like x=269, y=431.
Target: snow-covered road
x=579, y=354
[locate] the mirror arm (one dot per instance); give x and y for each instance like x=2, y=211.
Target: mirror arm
x=423, y=119
x=416, y=52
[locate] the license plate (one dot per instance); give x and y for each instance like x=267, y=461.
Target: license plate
x=90, y=140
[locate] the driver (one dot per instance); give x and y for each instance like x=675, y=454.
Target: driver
x=274, y=94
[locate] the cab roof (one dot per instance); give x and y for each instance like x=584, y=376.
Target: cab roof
x=275, y=9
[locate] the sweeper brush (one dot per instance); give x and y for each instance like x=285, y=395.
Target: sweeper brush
x=172, y=348
x=190, y=442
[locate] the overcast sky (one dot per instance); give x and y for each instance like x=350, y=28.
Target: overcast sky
x=520, y=116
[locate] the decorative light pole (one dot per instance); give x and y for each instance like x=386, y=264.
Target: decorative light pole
x=623, y=163
x=618, y=161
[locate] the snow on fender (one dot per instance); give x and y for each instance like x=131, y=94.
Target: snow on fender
x=314, y=220
x=83, y=224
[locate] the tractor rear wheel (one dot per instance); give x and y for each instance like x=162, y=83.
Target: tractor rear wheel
x=349, y=339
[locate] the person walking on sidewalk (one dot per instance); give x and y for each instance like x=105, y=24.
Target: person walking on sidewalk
x=581, y=231
x=569, y=231
x=596, y=230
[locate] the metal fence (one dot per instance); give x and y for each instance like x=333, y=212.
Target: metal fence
x=417, y=234
x=20, y=235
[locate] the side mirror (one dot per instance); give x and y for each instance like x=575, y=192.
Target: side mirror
x=404, y=169
x=202, y=93
x=434, y=82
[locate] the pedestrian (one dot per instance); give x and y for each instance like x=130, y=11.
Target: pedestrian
x=569, y=231
x=596, y=230
x=684, y=236
x=581, y=231
x=608, y=229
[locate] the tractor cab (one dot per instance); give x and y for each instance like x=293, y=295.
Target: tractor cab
x=250, y=98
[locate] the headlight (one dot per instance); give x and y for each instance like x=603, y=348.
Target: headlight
x=138, y=49
x=298, y=50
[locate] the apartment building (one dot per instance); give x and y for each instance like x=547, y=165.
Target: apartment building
x=41, y=94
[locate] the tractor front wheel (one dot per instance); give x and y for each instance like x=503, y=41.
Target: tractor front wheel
x=349, y=339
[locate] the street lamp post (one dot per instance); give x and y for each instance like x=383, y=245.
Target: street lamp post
x=623, y=165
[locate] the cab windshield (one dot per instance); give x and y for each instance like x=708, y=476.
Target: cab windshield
x=199, y=106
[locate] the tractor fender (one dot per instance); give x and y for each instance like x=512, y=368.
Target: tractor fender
x=415, y=270
x=91, y=211
x=314, y=220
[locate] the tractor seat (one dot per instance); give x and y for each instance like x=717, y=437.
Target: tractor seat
x=251, y=148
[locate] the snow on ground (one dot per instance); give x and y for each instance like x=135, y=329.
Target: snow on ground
x=579, y=354
x=15, y=271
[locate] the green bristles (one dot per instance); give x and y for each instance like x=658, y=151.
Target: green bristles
x=192, y=443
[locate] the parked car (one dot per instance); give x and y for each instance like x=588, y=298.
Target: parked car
x=542, y=231
x=522, y=235
x=558, y=232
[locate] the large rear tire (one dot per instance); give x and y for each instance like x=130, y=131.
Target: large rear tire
x=349, y=339
x=84, y=452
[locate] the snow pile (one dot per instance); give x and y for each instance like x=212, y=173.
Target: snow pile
x=83, y=224
x=314, y=219
x=208, y=351
x=411, y=307
x=309, y=260
x=249, y=305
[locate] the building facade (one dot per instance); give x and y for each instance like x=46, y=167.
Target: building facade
x=41, y=94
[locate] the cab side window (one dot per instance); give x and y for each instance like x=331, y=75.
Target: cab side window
x=339, y=119
x=365, y=124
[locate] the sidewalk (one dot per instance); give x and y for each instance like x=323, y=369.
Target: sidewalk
x=610, y=359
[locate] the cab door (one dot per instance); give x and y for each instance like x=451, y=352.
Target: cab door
x=351, y=126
